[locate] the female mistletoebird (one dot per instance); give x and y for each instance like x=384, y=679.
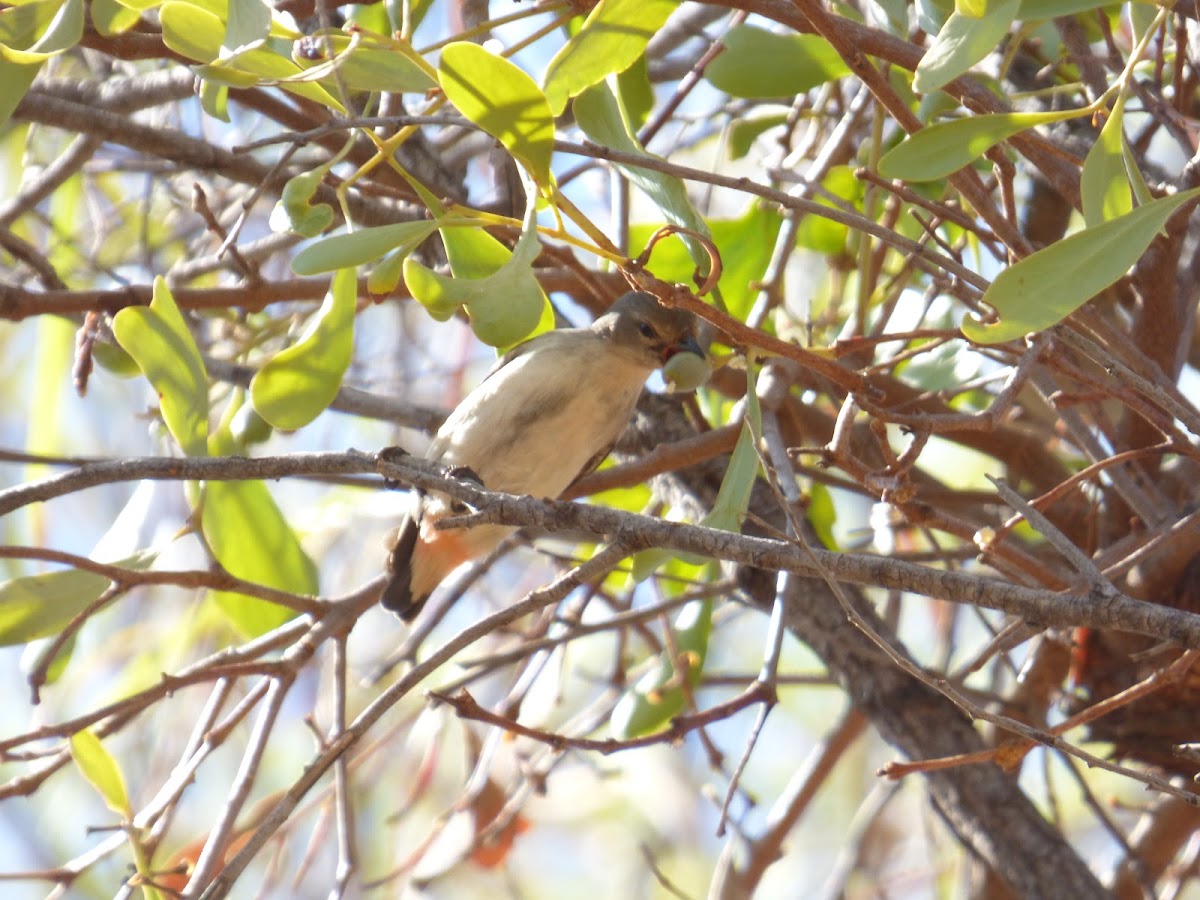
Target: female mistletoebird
x=548, y=413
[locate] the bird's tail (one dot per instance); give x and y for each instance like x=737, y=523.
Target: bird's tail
x=397, y=593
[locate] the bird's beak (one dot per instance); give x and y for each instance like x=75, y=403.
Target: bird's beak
x=687, y=345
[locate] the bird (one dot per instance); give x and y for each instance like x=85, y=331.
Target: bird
x=547, y=413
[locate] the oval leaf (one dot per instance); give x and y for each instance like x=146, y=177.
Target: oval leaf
x=298, y=383
x=1049, y=285
x=612, y=38
x=100, y=769
x=759, y=64
x=943, y=148
x=158, y=338
x=503, y=101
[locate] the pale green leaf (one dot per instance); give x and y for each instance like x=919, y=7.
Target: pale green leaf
x=17, y=79
x=374, y=63
x=502, y=100
x=961, y=43
x=599, y=115
x=612, y=38
x=943, y=148
x=295, y=210
x=33, y=32
x=298, y=383
x=39, y=606
x=1049, y=285
x=100, y=769
x=248, y=24
x=111, y=17
x=758, y=64
x=359, y=247
x=158, y=338
x=504, y=302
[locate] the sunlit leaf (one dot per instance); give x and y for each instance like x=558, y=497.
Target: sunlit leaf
x=298, y=383
x=961, y=43
x=159, y=339
x=100, y=769
x=111, y=17
x=943, y=148
x=17, y=79
x=251, y=538
x=1104, y=186
x=376, y=63
x=503, y=101
x=33, y=32
x=1049, y=285
x=612, y=38
x=757, y=63
x=340, y=251
x=38, y=606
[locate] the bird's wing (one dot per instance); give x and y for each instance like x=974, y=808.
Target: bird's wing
x=591, y=465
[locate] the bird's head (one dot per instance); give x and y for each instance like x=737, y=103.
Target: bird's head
x=640, y=324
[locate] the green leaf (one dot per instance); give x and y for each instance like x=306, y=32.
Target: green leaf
x=199, y=34
x=1049, y=285
x=111, y=17
x=824, y=235
x=942, y=149
x=759, y=64
x=33, y=32
x=295, y=210
x=375, y=63
x=962, y=42
x=733, y=498
x=503, y=101
x=341, y=251
x=100, y=769
x=973, y=8
x=657, y=697
x=1104, y=185
x=822, y=514
x=298, y=383
x=744, y=132
x=39, y=606
x=612, y=38
x=1035, y=10
x=250, y=537
x=599, y=115
x=157, y=337
x=17, y=79
x=503, y=298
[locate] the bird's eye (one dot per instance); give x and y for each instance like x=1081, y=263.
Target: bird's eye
x=647, y=330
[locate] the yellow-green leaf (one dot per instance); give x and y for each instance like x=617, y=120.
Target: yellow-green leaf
x=502, y=100
x=100, y=769
x=38, y=606
x=943, y=148
x=1049, y=285
x=251, y=538
x=298, y=383
x=612, y=38
x=1104, y=185
x=295, y=210
x=158, y=338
